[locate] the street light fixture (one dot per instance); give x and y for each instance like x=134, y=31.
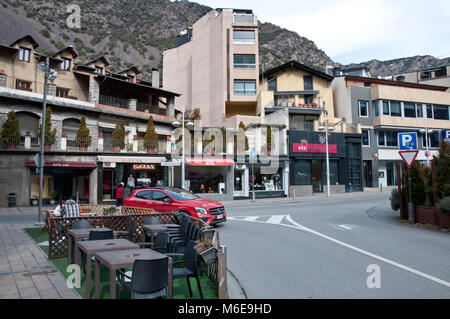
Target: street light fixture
x=427, y=143
x=189, y=125
x=327, y=129
x=49, y=74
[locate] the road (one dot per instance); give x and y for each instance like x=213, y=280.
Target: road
x=333, y=248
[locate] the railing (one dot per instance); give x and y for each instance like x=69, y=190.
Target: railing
x=81, y=143
x=113, y=101
x=12, y=142
x=153, y=109
x=243, y=18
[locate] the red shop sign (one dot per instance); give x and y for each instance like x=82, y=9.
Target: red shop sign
x=313, y=148
x=143, y=167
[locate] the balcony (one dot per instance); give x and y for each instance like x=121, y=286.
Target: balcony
x=113, y=101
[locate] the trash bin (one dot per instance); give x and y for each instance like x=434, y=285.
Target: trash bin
x=12, y=199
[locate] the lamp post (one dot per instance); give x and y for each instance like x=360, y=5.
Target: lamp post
x=427, y=142
x=327, y=129
x=48, y=75
x=183, y=125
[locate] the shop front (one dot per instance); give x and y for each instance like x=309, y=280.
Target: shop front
x=63, y=180
x=136, y=172
x=308, y=168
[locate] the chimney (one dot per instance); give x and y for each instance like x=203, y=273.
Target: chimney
x=155, y=78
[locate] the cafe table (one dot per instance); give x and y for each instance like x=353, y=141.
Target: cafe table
x=121, y=259
x=73, y=235
x=90, y=247
x=155, y=228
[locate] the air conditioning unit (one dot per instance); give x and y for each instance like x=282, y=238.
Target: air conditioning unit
x=109, y=165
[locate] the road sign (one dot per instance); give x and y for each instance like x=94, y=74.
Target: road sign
x=408, y=157
x=445, y=136
x=37, y=160
x=407, y=141
x=252, y=154
x=170, y=164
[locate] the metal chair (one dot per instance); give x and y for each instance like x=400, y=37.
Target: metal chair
x=191, y=268
x=149, y=279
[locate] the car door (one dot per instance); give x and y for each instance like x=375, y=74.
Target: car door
x=161, y=203
x=143, y=199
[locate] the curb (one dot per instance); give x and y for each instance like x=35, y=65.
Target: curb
x=234, y=288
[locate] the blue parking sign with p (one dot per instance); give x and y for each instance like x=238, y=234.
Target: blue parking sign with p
x=407, y=141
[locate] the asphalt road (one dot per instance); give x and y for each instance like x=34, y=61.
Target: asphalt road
x=323, y=248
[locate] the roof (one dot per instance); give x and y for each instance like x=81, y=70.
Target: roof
x=396, y=83
x=298, y=66
x=8, y=48
x=134, y=68
x=101, y=57
x=27, y=37
x=69, y=48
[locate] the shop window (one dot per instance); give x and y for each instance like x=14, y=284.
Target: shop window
x=108, y=184
x=354, y=165
x=207, y=179
x=301, y=172
x=334, y=172
x=46, y=189
x=262, y=179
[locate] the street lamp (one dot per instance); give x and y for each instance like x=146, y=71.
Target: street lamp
x=427, y=142
x=183, y=125
x=327, y=129
x=49, y=74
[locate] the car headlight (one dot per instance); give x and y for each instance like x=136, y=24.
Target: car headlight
x=201, y=210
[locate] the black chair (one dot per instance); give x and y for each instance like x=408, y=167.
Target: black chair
x=80, y=224
x=153, y=220
x=161, y=243
x=130, y=234
x=149, y=279
x=191, y=268
x=101, y=235
x=179, y=243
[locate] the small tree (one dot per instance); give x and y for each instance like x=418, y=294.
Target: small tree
x=150, y=137
x=442, y=171
x=241, y=127
x=118, y=135
x=269, y=139
x=10, y=130
x=83, y=139
x=49, y=134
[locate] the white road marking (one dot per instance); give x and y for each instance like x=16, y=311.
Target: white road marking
x=346, y=227
x=275, y=219
x=296, y=225
x=251, y=218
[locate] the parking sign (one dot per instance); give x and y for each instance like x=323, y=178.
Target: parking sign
x=445, y=136
x=407, y=141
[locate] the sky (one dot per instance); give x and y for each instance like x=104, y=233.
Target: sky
x=354, y=31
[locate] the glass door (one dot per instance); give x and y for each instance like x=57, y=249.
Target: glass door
x=317, y=176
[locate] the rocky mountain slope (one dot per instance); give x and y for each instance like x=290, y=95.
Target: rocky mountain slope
x=137, y=32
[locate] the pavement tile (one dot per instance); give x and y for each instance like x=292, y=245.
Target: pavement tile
x=28, y=293
x=49, y=294
x=24, y=284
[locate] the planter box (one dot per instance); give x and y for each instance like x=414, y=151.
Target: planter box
x=209, y=256
x=443, y=220
x=424, y=215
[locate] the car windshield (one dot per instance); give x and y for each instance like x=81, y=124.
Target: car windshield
x=179, y=194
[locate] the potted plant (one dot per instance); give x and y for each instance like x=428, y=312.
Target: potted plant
x=10, y=134
x=83, y=140
x=111, y=210
x=118, y=137
x=206, y=251
x=49, y=134
x=150, y=137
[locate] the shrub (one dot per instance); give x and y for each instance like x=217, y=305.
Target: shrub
x=10, y=128
x=83, y=138
x=444, y=205
x=395, y=200
x=49, y=134
x=118, y=135
x=150, y=137
x=443, y=171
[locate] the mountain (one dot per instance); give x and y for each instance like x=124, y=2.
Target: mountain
x=136, y=32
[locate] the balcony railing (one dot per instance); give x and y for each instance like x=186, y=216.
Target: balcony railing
x=153, y=109
x=113, y=101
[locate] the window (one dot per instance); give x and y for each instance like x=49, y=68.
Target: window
x=381, y=141
x=433, y=139
x=301, y=172
x=159, y=196
x=23, y=85
x=244, y=61
x=272, y=83
x=309, y=99
x=367, y=84
x=409, y=109
x=429, y=111
x=61, y=92
x=387, y=138
x=396, y=109
x=376, y=109
x=179, y=194
x=363, y=108
x=440, y=112
x=24, y=54
x=419, y=110
x=130, y=78
x=245, y=87
x=302, y=122
x=386, y=108
x=308, y=82
x=365, y=137
x=98, y=70
x=145, y=195
x=65, y=64
x=243, y=36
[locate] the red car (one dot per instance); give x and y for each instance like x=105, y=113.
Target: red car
x=167, y=199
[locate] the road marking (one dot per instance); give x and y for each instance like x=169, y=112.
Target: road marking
x=275, y=219
x=251, y=218
x=296, y=225
x=346, y=227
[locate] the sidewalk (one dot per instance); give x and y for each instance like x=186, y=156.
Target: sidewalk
x=25, y=271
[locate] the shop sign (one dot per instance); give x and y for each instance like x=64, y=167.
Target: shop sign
x=313, y=148
x=209, y=162
x=143, y=167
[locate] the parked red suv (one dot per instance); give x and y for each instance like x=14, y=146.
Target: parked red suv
x=168, y=199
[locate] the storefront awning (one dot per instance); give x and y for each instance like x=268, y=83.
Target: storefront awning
x=30, y=163
x=131, y=159
x=209, y=162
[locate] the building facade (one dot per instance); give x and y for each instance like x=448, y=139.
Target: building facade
x=88, y=172
x=384, y=108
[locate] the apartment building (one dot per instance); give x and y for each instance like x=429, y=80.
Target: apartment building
x=299, y=96
x=434, y=76
x=81, y=88
x=384, y=108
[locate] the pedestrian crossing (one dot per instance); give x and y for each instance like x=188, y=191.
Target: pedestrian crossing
x=269, y=219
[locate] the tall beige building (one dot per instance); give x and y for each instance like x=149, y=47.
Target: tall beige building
x=215, y=68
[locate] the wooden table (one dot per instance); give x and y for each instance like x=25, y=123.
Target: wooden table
x=73, y=235
x=155, y=229
x=120, y=259
x=90, y=247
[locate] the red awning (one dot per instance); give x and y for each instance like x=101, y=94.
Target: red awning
x=209, y=162
x=30, y=163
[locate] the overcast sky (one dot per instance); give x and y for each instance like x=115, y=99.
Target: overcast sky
x=353, y=31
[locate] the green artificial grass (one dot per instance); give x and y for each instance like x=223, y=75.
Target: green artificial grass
x=180, y=288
